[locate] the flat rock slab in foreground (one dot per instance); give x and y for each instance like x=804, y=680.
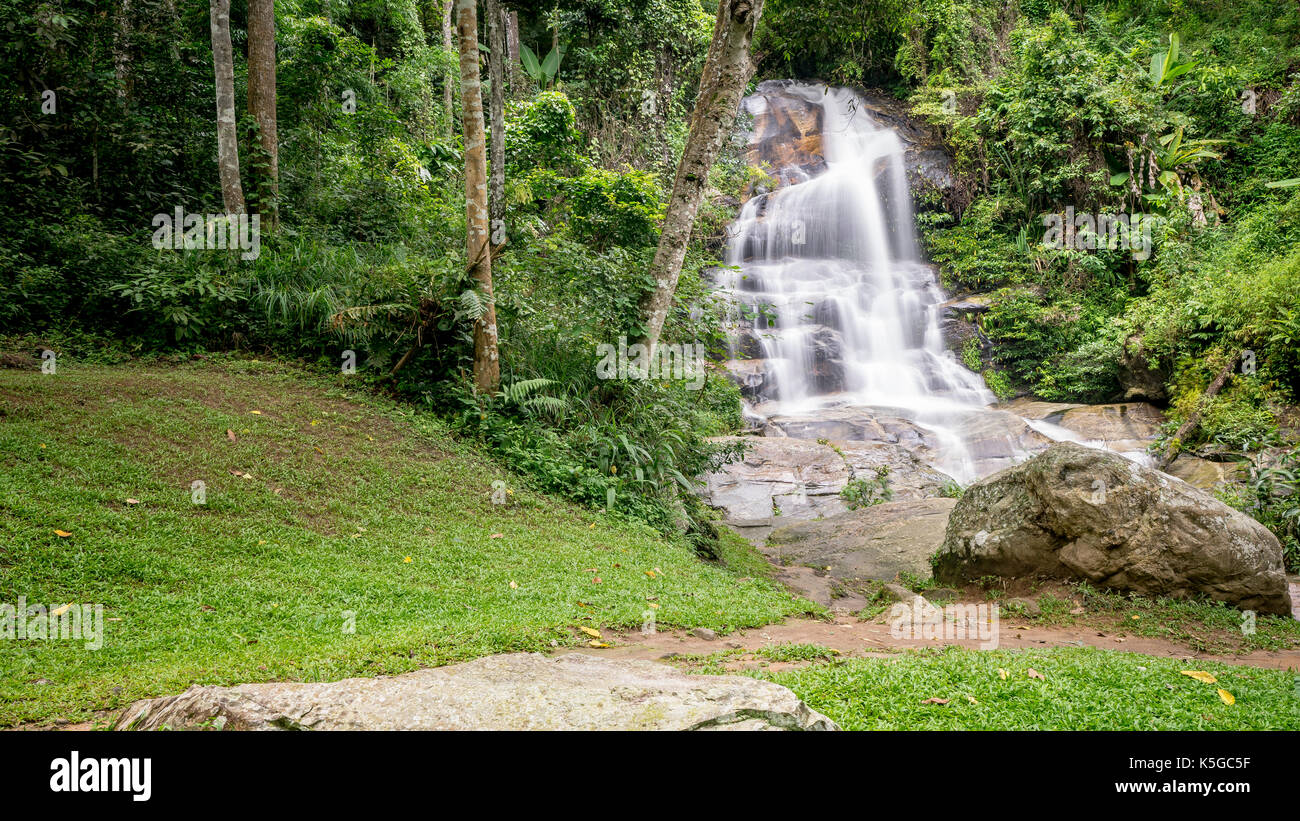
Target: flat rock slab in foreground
x=520, y=691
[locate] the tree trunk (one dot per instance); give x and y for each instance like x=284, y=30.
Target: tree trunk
x=512, y=51
x=726, y=71
x=223, y=62
x=487, y=365
x=448, y=93
x=122, y=50
x=261, y=104
x=1194, y=419
x=497, y=160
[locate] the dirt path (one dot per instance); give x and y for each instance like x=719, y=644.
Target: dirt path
x=856, y=638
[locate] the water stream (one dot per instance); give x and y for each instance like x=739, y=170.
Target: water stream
x=839, y=305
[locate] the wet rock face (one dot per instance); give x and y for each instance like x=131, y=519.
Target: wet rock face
x=784, y=479
x=1120, y=426
x=786, y=136
x=520, y=691
x=958, y=322
x=876, y=542
x=1139, y=377
x=1082, y=513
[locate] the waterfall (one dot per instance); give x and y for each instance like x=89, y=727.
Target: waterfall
x=839, y=307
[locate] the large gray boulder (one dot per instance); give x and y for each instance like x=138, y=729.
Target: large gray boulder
x=521, y=691
x=1083, y=513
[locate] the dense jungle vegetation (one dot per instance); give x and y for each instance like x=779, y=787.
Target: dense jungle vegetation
x=1188, y=110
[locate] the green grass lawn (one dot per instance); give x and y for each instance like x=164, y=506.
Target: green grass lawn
x=1081, y=689
x=350, y=505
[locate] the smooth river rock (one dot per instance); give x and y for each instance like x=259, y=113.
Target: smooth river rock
x=520, y=691
x=1083, y=513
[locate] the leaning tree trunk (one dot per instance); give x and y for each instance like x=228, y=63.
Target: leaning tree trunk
x=223, y=62
x=487, y=365
x=1194, y=418
x=497, y=75
x=448, y=94
x=261, y=104
x=726, y=71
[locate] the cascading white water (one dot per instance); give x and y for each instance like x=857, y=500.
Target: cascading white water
x=844, y=309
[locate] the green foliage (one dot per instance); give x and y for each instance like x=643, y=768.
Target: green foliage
x=542, y=133
x=859, y=492
x=1089, y=373
x=1055, y=101
x=951, y=490
x=998, y=382
x=632, y=448
x=542, y=72
x=191, y=300
x=843, y=41
x=971, y=354
x=1274, y=499
x=602, y=208
x=632, y=70
x=979, y=253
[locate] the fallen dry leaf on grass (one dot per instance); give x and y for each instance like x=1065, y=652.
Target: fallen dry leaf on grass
x=1035, y=674
x=497, y=536
x=1200, y=675
x=514, y=585
x=935, y=701
x=1226, y=697
x=133, y=501
x=230, y=434
x=62, y=534
x=590, y=632
x=594, y=643
x=1002, y=674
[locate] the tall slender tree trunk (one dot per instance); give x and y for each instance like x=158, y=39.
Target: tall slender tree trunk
x=223, y=63
x=726, y=71
x=487, y=365
x=497, y=74
x=122, y=50
x=448, y=92
x=512, y=51
x=261, y=104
